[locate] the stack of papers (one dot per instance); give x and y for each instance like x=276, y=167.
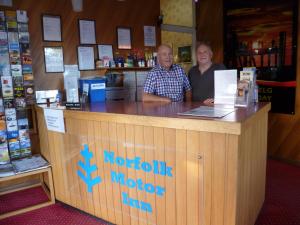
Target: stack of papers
x=29, y=164
x=7, y=170
x=206, y=111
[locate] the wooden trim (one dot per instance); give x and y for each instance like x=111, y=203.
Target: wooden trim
x=175, y=123
x=24, y=174
x=50, y=192
x=13, y=213
x=19, y=189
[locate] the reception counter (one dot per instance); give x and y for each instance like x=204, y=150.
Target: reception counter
x=135, y=163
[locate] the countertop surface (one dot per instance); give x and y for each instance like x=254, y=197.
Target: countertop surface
x=170, y=110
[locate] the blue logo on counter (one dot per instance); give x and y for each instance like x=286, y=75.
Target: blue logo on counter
x=88, y=168
x=154, y=167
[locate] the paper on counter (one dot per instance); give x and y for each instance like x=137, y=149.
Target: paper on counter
x=54, y=120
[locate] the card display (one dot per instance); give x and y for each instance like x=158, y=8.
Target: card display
x=26, y=59
x=3, y=38
x=23, y=37
x=22, y=27
x=10, y=15
x=2, y=16
x=13, y=37
x=12, y=125
x=7, y=88
x=20, y=103
x=16, y=70
x=10, y=114
x=19, y=92
x=25, y=50
x=17, y=86
x=22, y=16
x=12, y=134
x=23, y=124
x=4, y=155
x=27, y=69
x=12, y=26
x=9, y=103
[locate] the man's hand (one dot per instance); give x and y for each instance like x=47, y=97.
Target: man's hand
x=209, y=102
x=188, y=96
x=154, y=98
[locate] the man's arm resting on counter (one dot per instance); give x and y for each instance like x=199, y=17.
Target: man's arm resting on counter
x=188, y=96
x=154, y=98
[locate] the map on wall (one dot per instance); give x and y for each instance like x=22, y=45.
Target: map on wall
x=263, y=34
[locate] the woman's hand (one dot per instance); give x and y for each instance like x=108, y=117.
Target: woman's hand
x=209, y=102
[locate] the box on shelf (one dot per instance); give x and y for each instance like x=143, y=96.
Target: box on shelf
x=96, y=88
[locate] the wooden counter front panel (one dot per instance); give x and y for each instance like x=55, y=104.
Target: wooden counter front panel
x=194, y=195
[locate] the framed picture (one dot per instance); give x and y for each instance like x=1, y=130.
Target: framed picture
x=86, y=57
x=149, y=36
x=124, y=38
x=105, y=52
x=185, y=54
x=87, y=32
x=54, y=59
x=52, y=28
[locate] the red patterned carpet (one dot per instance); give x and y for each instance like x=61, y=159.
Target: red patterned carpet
x=282, y=204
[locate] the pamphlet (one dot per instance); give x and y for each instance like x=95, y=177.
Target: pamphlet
x=7, y=170
x=32, y=163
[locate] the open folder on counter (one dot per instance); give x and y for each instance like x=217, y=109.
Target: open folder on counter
x=206, y=111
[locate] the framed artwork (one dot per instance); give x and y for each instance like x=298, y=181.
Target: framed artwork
x=124, y=38
x=87, y=31
x=54, y=59
x=185, y=54
x=52, y=29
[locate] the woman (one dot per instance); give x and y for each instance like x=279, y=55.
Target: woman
x=201, y=76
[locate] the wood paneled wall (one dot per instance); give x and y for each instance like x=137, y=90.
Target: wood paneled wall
x=209, y=25
x=284, y=130
x=108, y=15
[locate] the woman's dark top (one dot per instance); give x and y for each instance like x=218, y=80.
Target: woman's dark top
x=203, y=84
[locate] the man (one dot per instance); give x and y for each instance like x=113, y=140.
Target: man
x=166, y=82
x=201, y=76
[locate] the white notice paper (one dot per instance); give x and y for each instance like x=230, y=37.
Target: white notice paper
x=124, y=38
x=55, y=120
x=225, y=87
x=105, y=52
x=87, y=32
x=149, y=36
x=71, y=76
x=86, y=58
x=51, y=28
x=54, y=60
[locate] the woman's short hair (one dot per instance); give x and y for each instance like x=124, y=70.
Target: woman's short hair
x=203, y=43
